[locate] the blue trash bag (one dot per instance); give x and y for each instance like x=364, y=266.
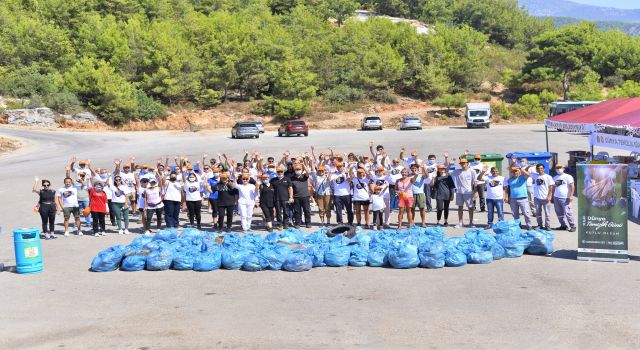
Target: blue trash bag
x=435, y=233
x=298, y=261
x=359, y=255
x=317, y=237
x=541, y=242
x=480, y=257
x=454, y=257
x=507, y=227
x=481, y=238
x=291, y=235
x=403, y=255
x=233, y=258
x=183, y=260
x=513, y=245
x=432, y=255
x=231, y=240
x=134, y=262
x=337, y=255
x=165, y=235
x=251, y=242
x=161, y=259
x=275, y=256
x=378, y=255
x=317, y=252
x=208, y=260
x=108, y=259
x=140, y=241
x=254, y=262
x=497, y=252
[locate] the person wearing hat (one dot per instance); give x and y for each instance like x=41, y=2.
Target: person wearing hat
x=322, y=192
x=120, y=202
x=192, y=197
x=143, y=184
x=213, y=195
x=173, y=198
x=563, y=198
x=477, y=166
x=404, y=189
x=284, y=196
x=465, y=180
x=341, y=193
x=246, y=201
x=98, y=205
x=46, y=207
x=393, y=170
x=516, y=194
x=82, y=168
x=418, y=176
x=443, y=188
x=82, y=184
x=227, y=201
x=380, y=157
x=495, y=194
x=383, y=181
x=431, y=166
x=267, y=201
x=301, y=195
x=128, y=180
x=67, y=203
x=361, y=196
x=153, y=203
x=378, y=204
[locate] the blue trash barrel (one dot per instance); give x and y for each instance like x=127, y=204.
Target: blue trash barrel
x=28, y=250
x=534, y=158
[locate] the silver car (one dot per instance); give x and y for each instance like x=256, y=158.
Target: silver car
x=245, y=129
x=411, y=122
x=259, y=125
x=372, y=122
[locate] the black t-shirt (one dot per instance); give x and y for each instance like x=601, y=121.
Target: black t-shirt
x=267, y=196
x=444, y=186
x=47, y=196
x=226, y=195
x=300, y=186
x=281, y=187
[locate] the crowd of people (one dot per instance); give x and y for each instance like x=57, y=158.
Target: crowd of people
x=352, y=189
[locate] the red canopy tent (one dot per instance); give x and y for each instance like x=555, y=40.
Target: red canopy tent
x=616, y=112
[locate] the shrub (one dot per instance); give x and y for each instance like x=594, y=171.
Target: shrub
x=385, y=96
x=291, y=109
x=449, y=101
x=35, y=101
x=64, y=102
x=147, y=108
x=529, y=106
x=343, y=94
x=210, y=98
x=503, y=111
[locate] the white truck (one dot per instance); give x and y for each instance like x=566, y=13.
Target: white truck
x=478, y=114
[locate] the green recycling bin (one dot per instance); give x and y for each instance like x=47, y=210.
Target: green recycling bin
x=489, y=159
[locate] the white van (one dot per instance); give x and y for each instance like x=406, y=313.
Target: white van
x=478, y=114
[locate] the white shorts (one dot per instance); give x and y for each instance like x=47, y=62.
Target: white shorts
x=464, y=199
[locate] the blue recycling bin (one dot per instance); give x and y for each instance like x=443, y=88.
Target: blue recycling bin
x=534, y=158
x=28, y=250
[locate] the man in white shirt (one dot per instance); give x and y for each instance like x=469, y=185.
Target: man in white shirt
x=477, y=166
x=465, y=180
x=67, y=202
x=562, y=199
x=432, y=170
x=543, y=189
x=379, y=156
x=341, y=192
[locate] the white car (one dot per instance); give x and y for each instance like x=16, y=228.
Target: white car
x=372, y=122
x=259, y=125
x=411, y=122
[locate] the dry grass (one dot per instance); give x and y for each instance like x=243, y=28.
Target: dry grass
x=8, y=145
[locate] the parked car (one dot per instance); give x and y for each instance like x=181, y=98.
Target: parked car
x=245, y=129
x=293, y=127
x=258, y=124
x=411, y=122
x=371, y=122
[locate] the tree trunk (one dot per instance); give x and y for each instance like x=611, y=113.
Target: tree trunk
x=565, y=83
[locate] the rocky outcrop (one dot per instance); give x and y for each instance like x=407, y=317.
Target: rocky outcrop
x=82, y=117
x=31, y=117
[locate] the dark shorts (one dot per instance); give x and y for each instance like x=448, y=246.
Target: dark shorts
x=67, y=211
x=361, y=202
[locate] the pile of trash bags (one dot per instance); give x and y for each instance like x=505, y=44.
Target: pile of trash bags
x=295, y=251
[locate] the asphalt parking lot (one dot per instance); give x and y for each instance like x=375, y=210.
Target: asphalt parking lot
x=531, y=302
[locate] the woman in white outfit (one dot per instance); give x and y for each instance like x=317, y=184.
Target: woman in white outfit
x=246, y=201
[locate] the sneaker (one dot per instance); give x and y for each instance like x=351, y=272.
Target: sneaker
x=147, y=233
x=307, y=225
x=66, y=233
x=120, y=232
x=547, y=228
x=561, y=228
x=296, y=227
x=488, y=227
x=445, y=224
x=80, y=233
x=573, y=229
x=459, y=225
x=126, y=232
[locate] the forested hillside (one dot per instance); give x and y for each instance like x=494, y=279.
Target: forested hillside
x=131, y=59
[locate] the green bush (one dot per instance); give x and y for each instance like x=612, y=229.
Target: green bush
x=210, y=98
x=291, y=109
x=343, y=94
x=449, y=101
x=35, y=101
x=147, y=108
x=529, y=106
x=503, y=111
x=384, y=96
x=28, y=81
x=64, y=102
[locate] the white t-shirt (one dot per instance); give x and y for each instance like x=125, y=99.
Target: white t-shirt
x=173, y=191
x=377, y=202
x=140, y=203
x=394, y=173
x=321, y=184
x=465, y=180
x=69, y=197
x=360, y=189
x=529, y=184
x=495, y=187
x=154, y=198
x=541, y=185
x=562, y=183
x=119, y=193
x=193, y=191
x=478, y=169
x=77, y=171
x=340, y=185
x=246, y=194
x=129, y=181
x=384, y=180
x=411, y=160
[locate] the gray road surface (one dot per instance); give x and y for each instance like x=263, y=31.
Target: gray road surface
x=531, y=302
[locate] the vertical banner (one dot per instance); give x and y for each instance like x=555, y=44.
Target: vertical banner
x=634, y=200
x=602, y=212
